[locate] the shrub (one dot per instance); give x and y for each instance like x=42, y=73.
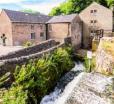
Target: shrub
x=27, y=44
x=38, y=77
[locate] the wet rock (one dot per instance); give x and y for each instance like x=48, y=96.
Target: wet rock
x=90, y=89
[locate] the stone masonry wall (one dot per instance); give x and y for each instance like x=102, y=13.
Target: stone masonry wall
x=30, y=50
x=105, y=56
x=21, y=33
x=9, y=65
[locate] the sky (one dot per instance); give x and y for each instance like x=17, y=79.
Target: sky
x=43, y=6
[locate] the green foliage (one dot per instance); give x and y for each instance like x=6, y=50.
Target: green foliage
x=76, y=6
x=27, y=44
x=38, y=77
x=110, y=3
x=55, y=11
x=4, y=79
x=29, y=11
x=15, y=96
x=92, y=64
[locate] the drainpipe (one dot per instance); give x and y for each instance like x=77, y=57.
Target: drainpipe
x=113, y=17
x=46, y=31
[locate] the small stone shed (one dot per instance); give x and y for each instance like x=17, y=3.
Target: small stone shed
x=63, y=26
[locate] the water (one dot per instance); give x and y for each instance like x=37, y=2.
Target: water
x=63, y=89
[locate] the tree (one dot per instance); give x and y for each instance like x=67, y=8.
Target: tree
x=55, y=11
x=75, y=6
x=110, y=3
x=29, y=11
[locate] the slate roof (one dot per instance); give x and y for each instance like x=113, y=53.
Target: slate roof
x=17, y=16
x=62, y=18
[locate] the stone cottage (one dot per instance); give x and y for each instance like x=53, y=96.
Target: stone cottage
x=63, y=26
x=96, y=18
x=19, y=27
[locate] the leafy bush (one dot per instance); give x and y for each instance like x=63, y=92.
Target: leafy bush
x=27, y=44
x=38, y=77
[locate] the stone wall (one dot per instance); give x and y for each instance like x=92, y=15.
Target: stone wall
x=30, y=50
x=21, y=33
x=67, y=40
x=9, y=65
x=9, y=62
x=105, y=56
x=58, y=31
x=5, y=28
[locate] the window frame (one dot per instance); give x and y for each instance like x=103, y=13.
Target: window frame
x=33, y=36
x=41, y=34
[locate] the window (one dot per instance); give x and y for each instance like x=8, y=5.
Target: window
x=32, y=35
x=42, y=34
x=93, y=21
x=93, y=11
x=32, y=27
x=92, y=32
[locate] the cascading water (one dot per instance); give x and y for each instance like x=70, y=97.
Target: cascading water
x=62, y=86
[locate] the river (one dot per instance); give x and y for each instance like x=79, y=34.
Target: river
x=63, y=88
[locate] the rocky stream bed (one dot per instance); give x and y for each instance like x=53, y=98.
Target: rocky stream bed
x=81, y=88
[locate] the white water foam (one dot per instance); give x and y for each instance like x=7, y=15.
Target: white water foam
x=59, y=97
x=68, y=89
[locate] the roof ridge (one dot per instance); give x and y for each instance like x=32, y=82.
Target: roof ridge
x=18, y=16
x=62, y=18
x=22, y=12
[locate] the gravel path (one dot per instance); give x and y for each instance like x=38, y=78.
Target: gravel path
x=7, y=49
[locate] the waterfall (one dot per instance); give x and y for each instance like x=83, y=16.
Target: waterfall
x=64, y=86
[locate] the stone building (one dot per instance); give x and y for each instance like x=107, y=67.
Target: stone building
x=19, y=27
x=63, y=26
x=96, y=17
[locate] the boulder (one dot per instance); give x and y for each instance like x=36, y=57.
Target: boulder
x=105, y=56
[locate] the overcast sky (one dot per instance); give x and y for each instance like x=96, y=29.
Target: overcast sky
x=43, y=6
